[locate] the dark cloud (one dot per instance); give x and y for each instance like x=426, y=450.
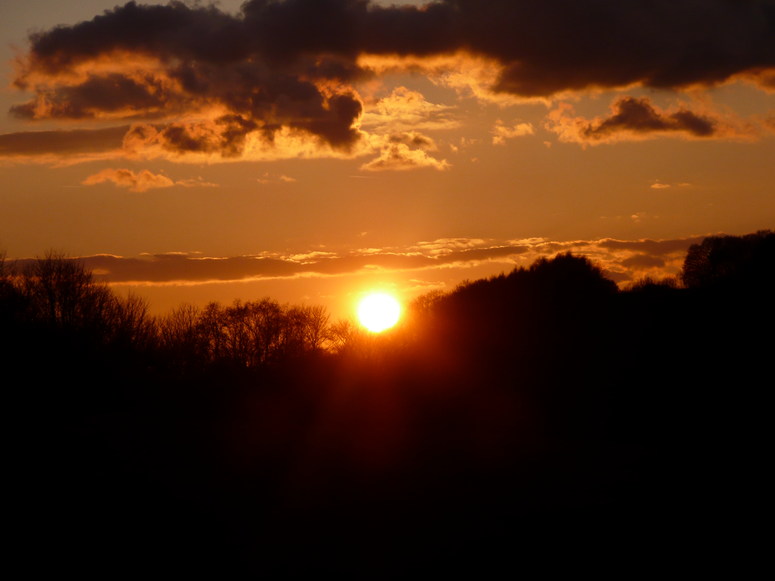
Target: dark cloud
x=76, y=141
x=269, y=62
x=287, y=67
x=658, y=248
x=140, y=61
x=640, y=116
x=182, y=268
x=187, y=268
x=643, y=261
x=622, y=260
x=488, y=253
x=100, y=96
x=566, y=44
x=634, y=118
x=172, y=31
x=226, y=135
x=545, y=47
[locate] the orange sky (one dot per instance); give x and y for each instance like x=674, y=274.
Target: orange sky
x=310, y=150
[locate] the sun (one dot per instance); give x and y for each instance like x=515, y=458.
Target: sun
x=378, y=311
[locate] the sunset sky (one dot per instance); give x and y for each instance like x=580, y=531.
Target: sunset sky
x=307, y=150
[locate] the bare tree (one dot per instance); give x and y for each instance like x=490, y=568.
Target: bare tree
x=61, y=291
x=316, y=329
x=265, y=324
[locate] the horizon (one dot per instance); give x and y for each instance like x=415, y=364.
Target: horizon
x=310, y=163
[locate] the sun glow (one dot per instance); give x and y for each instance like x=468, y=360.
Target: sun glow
x=378, y=311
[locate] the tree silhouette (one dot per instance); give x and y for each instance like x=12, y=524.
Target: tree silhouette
x=10, y=298
x=63, y=293
x=179, y=337
x=55, y=300
x=246, y=334
x=731, y=259
x=543, y=396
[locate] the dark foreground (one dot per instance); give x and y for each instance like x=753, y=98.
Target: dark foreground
x=547, y=422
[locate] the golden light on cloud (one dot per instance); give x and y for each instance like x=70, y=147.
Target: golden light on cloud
x=466, y=73
x=378, y=311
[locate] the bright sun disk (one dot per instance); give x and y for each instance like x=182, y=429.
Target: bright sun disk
x=378, y=312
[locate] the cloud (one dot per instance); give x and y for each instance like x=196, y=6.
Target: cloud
x=267, y=178
x=197, y=182
x=658, y=185
x=405, y=109
x=649, y=246
x=501, y=132
x=633, y=119
x=406, y=151
x=283, y=79
x=542, y=48
x=197, y=69
x=228, y=139
x=135, y=182
x=141, y=181
x=643, y=261
x=52, y=146
x=624, y=261
x=285, y=71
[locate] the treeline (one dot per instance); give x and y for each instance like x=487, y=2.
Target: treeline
x=58, y=294
x=542, y=410
x=55, y=296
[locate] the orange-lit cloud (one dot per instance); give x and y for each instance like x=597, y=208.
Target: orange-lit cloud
x=140, y=181
x=136, y=182
x=280, y=78
x=659, y=185
x=404, y=110
x=502, y=132
x=406, y=151
x=623, y=261
x=634, y=118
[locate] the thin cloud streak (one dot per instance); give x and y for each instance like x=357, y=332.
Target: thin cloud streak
x=62, y=146
x=141, y=181
x=622, y=260
x=134, y=181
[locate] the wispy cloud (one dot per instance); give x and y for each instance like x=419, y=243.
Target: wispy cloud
x=502, y=132
x=141, y=181
x=268, y=178
x=660, y=185
x=623, y=261
x=134, y=181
